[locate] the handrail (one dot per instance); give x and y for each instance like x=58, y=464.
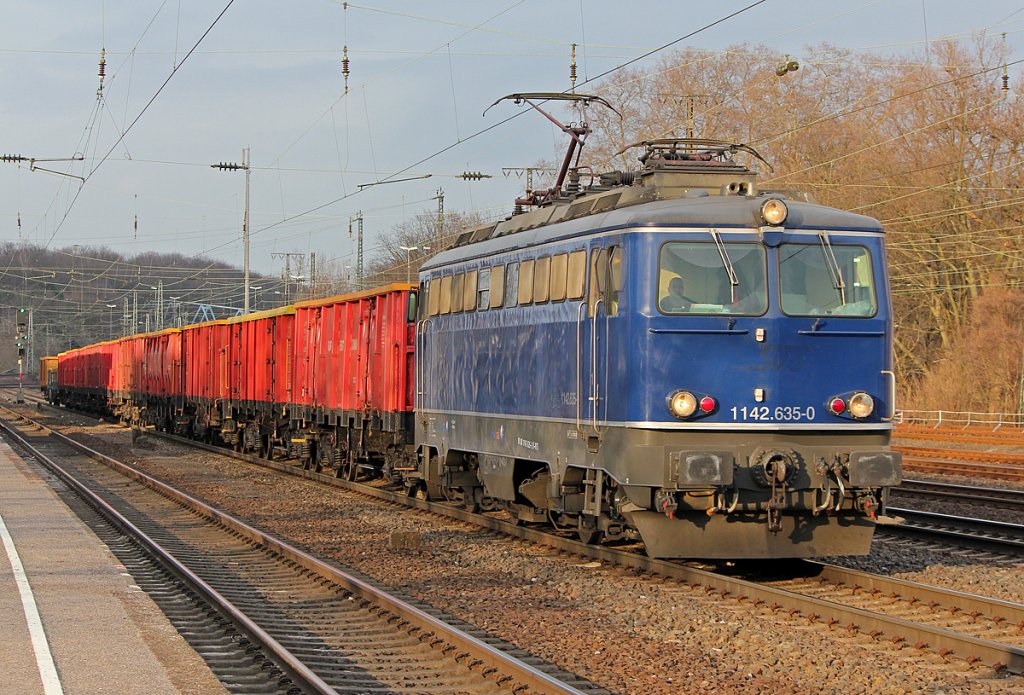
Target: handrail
x=579, y=364
x=892, y=395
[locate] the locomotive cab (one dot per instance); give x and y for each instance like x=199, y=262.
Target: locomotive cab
x=765, y=388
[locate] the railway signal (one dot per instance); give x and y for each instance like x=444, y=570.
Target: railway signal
x=21, y=342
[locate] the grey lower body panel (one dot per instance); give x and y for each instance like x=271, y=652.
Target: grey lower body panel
x=726, y=537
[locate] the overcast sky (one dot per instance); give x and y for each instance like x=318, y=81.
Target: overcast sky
x=268, y=75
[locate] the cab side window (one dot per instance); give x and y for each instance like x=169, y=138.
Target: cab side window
x=611, y=295
x=606, y=276
x=598, y=262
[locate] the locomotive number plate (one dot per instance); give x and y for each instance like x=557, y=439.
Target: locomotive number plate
x=780, y=413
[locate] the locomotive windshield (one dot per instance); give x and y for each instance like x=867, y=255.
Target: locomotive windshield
x=697, y=277
x=813, y=285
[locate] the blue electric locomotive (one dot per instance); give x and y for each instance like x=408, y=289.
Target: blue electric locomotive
x=667, y=354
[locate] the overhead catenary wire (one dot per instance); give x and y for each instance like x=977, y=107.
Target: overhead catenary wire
x=137, y=118
x=283, y=212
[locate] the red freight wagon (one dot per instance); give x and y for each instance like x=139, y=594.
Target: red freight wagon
x=204, y=349
x=122, y=377
x=159, y=376
x=205, y=345
x=258, y=361
x=161, y=367
x=259, y=356
x=354, y=353
x=352, y=378
x=85, y=373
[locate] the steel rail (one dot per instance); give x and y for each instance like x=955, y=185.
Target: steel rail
x=963, y=469
x=1006, y=437
x=997, y=535
x=493, y=658
x=924, y=452
x=1005, y=497
x=1013, y=613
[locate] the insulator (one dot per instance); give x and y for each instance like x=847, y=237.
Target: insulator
x=572, y=66
x=103, y=62
x=1006, y=83
x=572, y=187
x=344, y=66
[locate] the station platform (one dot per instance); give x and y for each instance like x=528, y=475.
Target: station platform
x=73, y=620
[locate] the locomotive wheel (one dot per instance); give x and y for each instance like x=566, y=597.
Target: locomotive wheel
x=471, y=500
x=589, y=535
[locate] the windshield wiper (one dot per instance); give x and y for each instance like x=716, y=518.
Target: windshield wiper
x=727, y=263
x=833, y=266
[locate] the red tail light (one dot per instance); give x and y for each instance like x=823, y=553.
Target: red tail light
x=707, y=404
x=837, y=405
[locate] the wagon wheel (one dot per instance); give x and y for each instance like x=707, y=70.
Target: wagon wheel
x=589, y=535
x=351, y=469
x=267, y=447
x=323, y=454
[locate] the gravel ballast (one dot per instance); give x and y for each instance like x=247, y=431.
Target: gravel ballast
x=627, y=632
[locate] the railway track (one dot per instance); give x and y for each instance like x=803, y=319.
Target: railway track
x=318, y=628
x=976, y=533
x=975, y=464
x=1008, y=436
x=880, y=606
x=993, y=497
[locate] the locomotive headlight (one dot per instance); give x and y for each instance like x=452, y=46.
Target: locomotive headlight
x=682, y=404
x=861, y=405
x=774, y=211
